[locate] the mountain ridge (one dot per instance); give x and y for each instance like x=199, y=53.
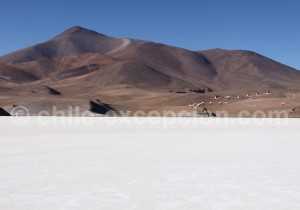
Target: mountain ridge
x=213, y=68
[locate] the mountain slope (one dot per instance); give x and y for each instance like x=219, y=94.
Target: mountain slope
x=246, y=69
x=43, y=59
x=12, y=74
x=72, y=42
x=175, y=62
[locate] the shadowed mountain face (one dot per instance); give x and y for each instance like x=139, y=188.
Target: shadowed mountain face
x=82, y=64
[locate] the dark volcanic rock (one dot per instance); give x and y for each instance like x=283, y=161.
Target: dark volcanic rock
x=53, y=91
x=4, y=113
x=100, y=108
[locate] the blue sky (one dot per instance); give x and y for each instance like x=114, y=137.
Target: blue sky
x=268, y=27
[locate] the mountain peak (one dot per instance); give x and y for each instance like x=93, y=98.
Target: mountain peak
x=77, y=30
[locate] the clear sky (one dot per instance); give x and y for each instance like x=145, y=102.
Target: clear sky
x=271, y=28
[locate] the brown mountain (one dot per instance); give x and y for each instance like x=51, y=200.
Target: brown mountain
x=133, y=74
x=245, y=69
